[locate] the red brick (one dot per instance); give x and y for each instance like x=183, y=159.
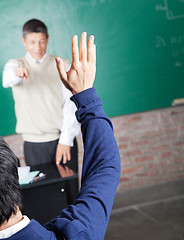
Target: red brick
x=132, y=153
x=172, y=169
x=122, y=179
x=151, y=115
x=166, y=154
x=126, y=161
x=136, y=118
x=179, y=160
x=180, y=143
x=121, y=138
x=140, y=143
x=177, y=112
x=144, y=158
x=166, y=138
x=160, y=148
x=157, y=165
x=122, y=146
x=147, y=174
x=131, y=169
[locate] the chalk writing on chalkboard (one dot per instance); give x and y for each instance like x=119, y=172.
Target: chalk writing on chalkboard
x=175, y=45
x=173, y=8
x=90, y=3
x=160, y=42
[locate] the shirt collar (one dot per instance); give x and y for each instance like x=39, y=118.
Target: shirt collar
x=37, y=61
x=8, y=232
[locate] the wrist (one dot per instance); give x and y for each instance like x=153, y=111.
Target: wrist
x=86, y=97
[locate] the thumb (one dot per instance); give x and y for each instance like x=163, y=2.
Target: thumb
x=61, y=68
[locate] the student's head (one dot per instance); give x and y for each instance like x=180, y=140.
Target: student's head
x=10, y=196
x=35, y=38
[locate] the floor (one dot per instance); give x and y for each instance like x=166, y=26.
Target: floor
x=152, y=213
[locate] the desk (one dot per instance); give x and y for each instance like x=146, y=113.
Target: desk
x=43, y=200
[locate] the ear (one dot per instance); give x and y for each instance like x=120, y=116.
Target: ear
x=47, y=39
x=23, y=41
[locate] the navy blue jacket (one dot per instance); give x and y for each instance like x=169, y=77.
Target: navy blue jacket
x=88, y=216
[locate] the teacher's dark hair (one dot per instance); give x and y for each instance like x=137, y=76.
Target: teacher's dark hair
x=34, y=26
x=10, y=195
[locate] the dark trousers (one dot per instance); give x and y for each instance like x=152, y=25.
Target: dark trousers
x=38, y=153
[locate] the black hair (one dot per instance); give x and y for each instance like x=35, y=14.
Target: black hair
x=34, y=26
x=10, y=195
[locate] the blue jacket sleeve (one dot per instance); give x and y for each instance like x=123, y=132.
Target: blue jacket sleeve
x=88, y=216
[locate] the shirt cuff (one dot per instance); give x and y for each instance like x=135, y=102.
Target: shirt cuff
x=66, y=139
x=88, y=98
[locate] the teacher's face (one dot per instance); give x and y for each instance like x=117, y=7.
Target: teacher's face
x=36, y=44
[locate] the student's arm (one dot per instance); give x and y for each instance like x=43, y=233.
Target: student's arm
x=13, y=74
x=88, y=216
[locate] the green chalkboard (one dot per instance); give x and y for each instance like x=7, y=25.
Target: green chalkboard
x=140, y=48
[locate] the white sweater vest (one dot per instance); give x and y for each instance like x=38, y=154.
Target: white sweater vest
x=38, y=100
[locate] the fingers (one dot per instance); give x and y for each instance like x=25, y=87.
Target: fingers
x=91, y=51
x=83, y=49
x=21, y=72
x=88, y=54
x=26, y=72
x=75, y=50
x=58, y=159
x=62, y=154
x=61, y=69
x=58, y=154
x=64, y=159
x=66, y=155
x=94, y=56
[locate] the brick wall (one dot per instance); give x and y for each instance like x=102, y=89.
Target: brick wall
x=151, y=146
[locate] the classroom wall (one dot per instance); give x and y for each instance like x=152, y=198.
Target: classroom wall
x=151, y=146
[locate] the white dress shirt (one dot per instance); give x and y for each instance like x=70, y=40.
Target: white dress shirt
x=70, y=127
x=8, y=232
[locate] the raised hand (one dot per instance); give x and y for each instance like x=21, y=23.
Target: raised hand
x=81, y=75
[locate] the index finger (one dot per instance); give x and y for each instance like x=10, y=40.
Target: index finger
x=26, y=72
x=75, y=50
